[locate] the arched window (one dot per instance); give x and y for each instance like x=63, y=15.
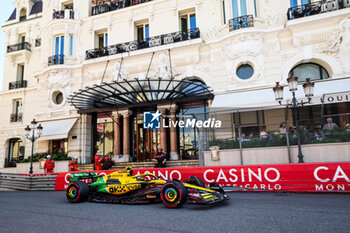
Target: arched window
x=309, y=70
x=23, y=14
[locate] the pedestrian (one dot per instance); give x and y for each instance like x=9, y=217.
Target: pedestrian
x=329, y=126
x=283, y=129
x=49, y=165
x=160, y=159
x=74, y=165
x=263, y=133
x=98, y=160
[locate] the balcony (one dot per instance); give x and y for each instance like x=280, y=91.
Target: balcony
x=112, y=6
x=241, y=22
x=56, y=60
x=18, y=47
x=316, y=8
x=17, y=84
x=16, y=117
x=148, y=43
x=64, y=14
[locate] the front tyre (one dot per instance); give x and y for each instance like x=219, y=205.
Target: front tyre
x=173, y=194
x=77, y=192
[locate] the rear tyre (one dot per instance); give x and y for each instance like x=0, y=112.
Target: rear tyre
x=195, y=181
x=173, y=194
x=77, y=192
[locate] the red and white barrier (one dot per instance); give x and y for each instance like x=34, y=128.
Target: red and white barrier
x=309, y=177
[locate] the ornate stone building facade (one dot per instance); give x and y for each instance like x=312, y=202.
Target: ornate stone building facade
x=238, y=48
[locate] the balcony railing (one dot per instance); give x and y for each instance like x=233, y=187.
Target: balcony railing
x=16, y=117
x=18, y=47
x=241, y=22
x=148, y=43
x=315, y=8
x=56, y=60
x=63, y=14
x=116, y=5
x=17, y=84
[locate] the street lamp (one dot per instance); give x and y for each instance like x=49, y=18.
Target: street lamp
x=30, y=134
x=295, y=105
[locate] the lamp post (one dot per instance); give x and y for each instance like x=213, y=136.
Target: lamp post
x=30, y=134
x=295, y=104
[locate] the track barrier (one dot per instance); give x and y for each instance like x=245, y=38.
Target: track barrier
x=26, y=182
x=307, y=177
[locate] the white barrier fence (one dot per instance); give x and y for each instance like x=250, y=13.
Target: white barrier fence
x=27, y=182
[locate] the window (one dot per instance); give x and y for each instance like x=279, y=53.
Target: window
x=17, y=106
x=22, y=38
x=71, y=45
x=188, y=21
x=245, y=71
x=58, y=146
x=239, y=8
x=15, y=152
x=142, y=32
x=105, y=136
x=59, y=50
x=21, y=41
x=102, y=39
x=243, y=7
x=223, y=10
x=16, y=115
x=20, y=72
x=294, y=3
x=57, y=97
x=59, y=45
x=23, y=14
x=309, y=70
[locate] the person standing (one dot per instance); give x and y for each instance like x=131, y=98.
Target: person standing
x=74, y=165
x=283, y=129
x=329, y=126
x=98, y=160
x=49, y=164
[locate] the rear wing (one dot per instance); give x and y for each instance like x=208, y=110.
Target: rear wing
x=81, y=176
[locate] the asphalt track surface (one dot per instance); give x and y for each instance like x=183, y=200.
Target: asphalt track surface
x=42, y=212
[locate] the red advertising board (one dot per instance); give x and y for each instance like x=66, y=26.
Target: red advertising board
x=309, y=177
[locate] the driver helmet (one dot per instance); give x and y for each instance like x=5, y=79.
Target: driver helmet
x=75, y=158
x=48, y=156
x=99, y=152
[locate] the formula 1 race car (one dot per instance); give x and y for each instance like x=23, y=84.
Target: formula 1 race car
x=122, y=187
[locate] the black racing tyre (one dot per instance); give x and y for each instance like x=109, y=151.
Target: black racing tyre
x=195, y=181
x=77, y=192
x=173, y=194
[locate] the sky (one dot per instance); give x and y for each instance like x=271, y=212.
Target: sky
x=5, y=12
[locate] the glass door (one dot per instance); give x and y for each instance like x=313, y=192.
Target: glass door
x=147, y=143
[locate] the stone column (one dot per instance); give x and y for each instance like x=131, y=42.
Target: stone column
x=174, y=155
x=116, y=117
x=163, y=144
x=85, y=139
x=126, y=135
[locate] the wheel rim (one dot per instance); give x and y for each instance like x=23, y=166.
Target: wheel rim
x=72, y=192
x=170, y=194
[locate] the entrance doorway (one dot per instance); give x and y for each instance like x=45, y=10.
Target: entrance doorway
x=147, y=141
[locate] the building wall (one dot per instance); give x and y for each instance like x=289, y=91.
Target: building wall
x=273, y=47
